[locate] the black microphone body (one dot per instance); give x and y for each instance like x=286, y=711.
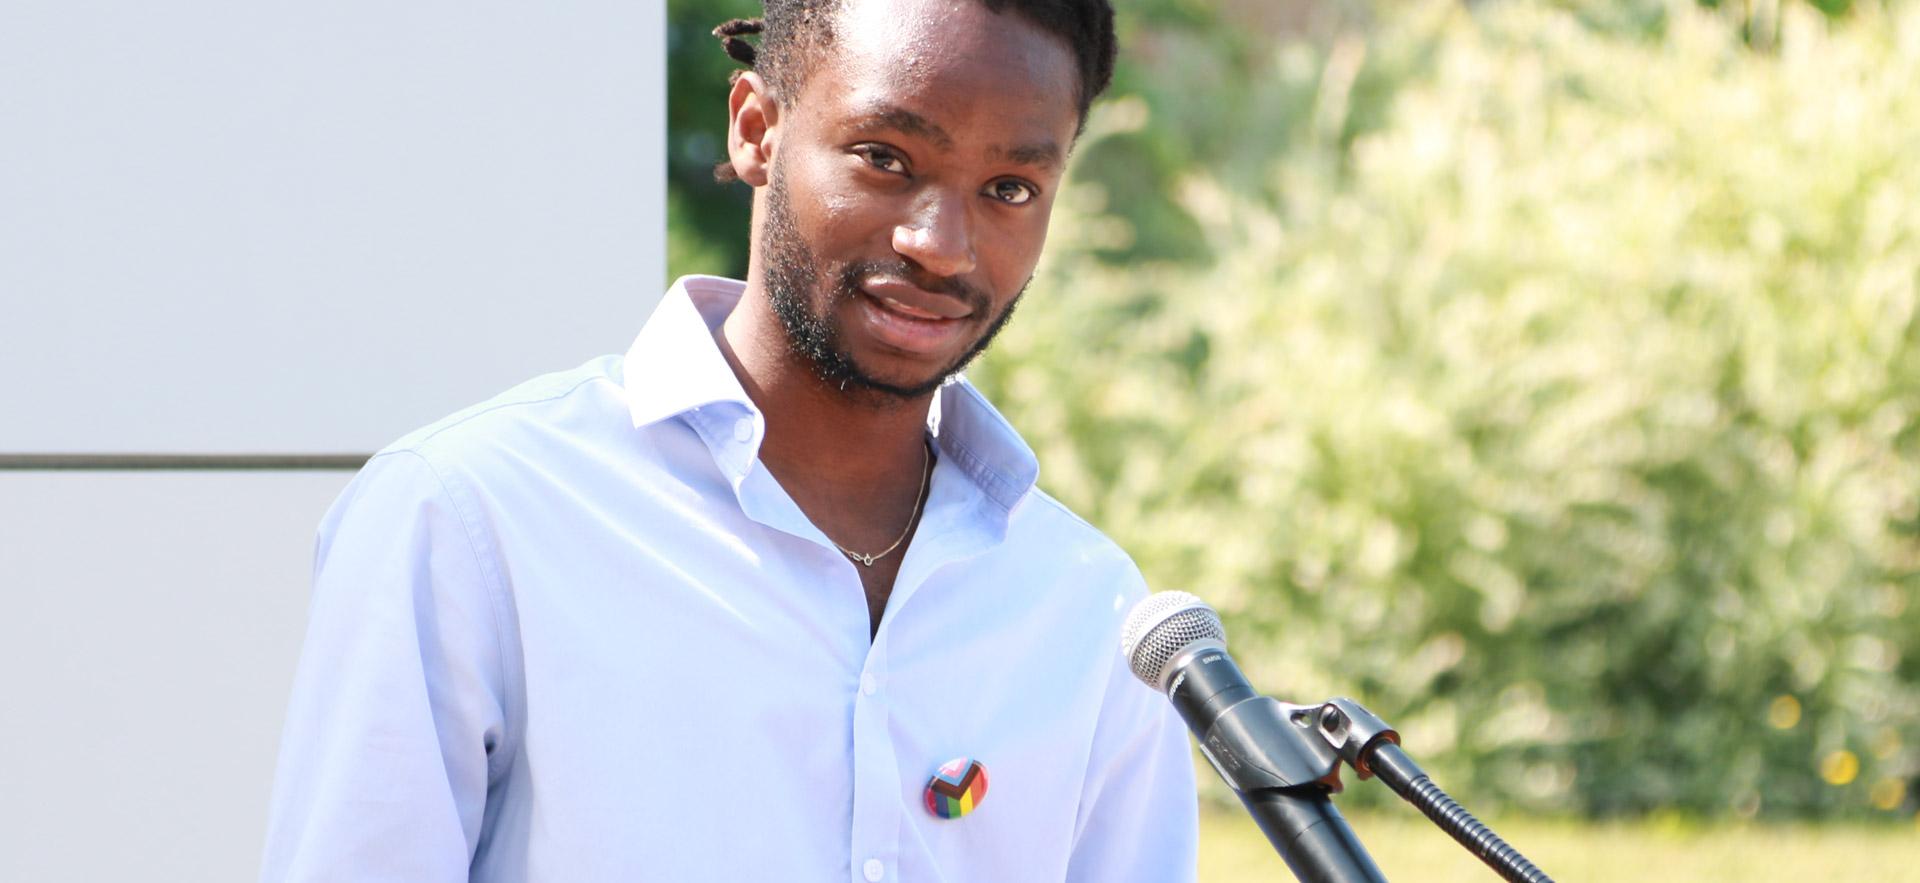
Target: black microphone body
x=1282, y=773
x=1310, y=835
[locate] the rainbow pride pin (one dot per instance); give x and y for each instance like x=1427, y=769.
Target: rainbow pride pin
x=957, y=788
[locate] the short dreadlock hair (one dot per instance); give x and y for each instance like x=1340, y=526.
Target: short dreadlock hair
x=793, y=31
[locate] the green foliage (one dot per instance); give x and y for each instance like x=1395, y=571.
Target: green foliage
x=1542, y=375
x=706, y=221
x=1551, y=388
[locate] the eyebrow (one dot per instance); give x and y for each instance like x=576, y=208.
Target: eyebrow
x=1044, y=154
x=889, y=116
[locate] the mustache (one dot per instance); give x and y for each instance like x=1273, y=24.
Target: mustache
x=855, y=273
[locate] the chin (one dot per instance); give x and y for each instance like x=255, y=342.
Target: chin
x=888, y=377
x=912, y=386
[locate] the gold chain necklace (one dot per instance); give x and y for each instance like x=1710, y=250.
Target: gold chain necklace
x=926, y=464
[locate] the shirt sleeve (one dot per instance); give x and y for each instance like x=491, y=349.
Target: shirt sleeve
x=399, y=703
x=1139, y=811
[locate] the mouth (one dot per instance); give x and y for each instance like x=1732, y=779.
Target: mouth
x=909, y=319
x=912, y=301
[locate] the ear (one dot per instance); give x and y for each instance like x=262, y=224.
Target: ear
x=753, y=120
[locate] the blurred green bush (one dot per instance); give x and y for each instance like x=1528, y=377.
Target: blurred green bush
x=1549, y=387
x=1542, y=375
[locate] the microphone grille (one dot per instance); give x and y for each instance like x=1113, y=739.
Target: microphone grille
x=1160, y=626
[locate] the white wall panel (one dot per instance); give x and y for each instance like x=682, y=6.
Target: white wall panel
x=230, y=227
x=240, y=227
x=151, y=624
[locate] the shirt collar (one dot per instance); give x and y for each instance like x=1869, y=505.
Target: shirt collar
x=675, y=367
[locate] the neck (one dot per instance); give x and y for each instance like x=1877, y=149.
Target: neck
x=819, y=436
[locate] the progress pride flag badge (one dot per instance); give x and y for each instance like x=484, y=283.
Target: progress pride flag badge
x=957, y=788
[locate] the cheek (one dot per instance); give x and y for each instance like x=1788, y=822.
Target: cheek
x=836, y=210
x=842, y=216
x=1015, y=248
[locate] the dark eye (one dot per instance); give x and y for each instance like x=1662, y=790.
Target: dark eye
x=1012, y=192
x=882, y=158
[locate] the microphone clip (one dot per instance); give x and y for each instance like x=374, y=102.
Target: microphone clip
x=1276, y=748
x=1353, y=732
x=1254, y=742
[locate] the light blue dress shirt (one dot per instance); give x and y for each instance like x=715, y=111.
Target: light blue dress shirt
x=578, y=633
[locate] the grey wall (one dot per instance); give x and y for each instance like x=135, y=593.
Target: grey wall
x=224, y=223
x=261, y=229
x=151, y=627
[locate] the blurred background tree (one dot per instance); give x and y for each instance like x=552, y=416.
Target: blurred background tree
x=1542, y=374
x=706, y=221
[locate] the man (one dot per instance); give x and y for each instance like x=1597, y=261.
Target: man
x=773, y=596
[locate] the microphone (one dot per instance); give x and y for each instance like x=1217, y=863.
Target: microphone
x=1263, y=748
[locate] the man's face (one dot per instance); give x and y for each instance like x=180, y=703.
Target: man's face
x=910, y=189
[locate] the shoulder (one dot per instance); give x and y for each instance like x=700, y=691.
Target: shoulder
x=1088, y=574
x=539, y=413
x=1057, y=545
x=1041, y=516
x=446, y=469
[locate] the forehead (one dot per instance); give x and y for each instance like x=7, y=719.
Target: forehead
x=952, y=61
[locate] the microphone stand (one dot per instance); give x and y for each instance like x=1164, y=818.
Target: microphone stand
x=1372, y=747
x=1268, y=753
x=1284, y=760
x=1284, y=763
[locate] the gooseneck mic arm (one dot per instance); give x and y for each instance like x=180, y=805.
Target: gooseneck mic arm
x=1284, y=760
x=1266, y=750
x=1395, y=768
x=1372, y=747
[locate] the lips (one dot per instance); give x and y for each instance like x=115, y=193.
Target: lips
x=908, y=319
x=913, y=301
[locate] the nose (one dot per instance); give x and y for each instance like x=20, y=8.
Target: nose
x=939, y=237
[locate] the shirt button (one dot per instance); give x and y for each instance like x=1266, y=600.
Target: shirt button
x=743, y=429
x=868, y=684
x=874, y=870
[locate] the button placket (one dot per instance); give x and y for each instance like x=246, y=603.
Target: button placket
x=876, y=775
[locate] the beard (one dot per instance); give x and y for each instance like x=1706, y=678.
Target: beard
x=807, y=310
